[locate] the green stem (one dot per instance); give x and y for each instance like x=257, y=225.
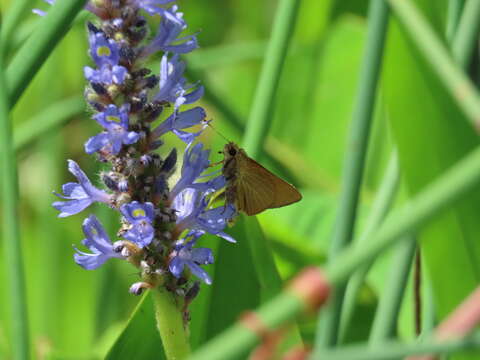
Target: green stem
x=466, y=35
x=454, y=79
x=393, y=350
x=385, y=321
x=454, y=12
x=261, y=114
x=381, y=206
x=441, y=193
x=170, y=325
x=28, y=60
x=10, y=23
x=328, y=324
x=11, y=229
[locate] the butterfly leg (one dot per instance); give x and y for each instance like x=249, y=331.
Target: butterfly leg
x=215, y=163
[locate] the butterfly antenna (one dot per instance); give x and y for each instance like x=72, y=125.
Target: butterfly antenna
x=209, y=123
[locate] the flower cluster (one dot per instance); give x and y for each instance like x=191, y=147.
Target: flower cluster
x=161, y=222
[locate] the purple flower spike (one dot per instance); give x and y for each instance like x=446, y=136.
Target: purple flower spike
x=115, y=122
x=80, y=195
x=184, y=255
x=140, y=216
x=179, y=121
x=99, y=244
x=167, y=39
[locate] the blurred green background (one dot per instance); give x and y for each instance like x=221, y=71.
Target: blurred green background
x=77, y=314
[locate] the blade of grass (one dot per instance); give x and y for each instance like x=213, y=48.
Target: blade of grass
x=380, y=207
x=454, y=12
x=466, y=36
x=11, y=229
x=455, y=81
x=393, y=350
x=391, y=297
x=53, y=116
x=444, y=191
x=328, y=325
x=10, y=23
x=262, y=107
x=36, y=49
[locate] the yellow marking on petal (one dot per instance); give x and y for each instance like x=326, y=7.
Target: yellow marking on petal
x=138, y=212
x=113, y=118
x=103, y=51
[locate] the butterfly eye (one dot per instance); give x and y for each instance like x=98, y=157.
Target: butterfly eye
x=232, y=152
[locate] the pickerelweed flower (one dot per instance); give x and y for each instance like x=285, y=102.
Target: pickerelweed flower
x=161, y=222
x=99, y=244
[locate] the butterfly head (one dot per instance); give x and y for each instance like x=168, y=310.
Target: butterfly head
x=230, y=150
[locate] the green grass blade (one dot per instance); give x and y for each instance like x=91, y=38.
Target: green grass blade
x=262, y=107
x=392, y=350
x=454, y=12
x=36, y=49
x=355, y=160
x=380, y=207
x=467, y=34
x=10, y=23
x=268, y=276
x=456, y=82
x=11, y=230
x=385, y=322
x=53, y=116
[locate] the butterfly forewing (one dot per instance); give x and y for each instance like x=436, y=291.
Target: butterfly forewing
x=255, y=190
x=252, y=187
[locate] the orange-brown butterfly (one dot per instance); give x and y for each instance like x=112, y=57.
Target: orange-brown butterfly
x=251, y=187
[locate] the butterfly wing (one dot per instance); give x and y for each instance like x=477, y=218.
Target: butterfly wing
x=254, y=193
x=258, y=189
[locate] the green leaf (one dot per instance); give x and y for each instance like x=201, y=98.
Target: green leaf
x=235, y=287
x=140, y=338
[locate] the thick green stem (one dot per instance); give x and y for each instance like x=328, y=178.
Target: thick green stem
x=393, y=350
x=385, y=321
x=466, y=36
x=328, y=324
x=261, y=113
x=380, y=207
x=11, y=229
x=170, y=325
x=454, y=12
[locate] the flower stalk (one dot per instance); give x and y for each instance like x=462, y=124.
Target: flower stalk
x=170, y=324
